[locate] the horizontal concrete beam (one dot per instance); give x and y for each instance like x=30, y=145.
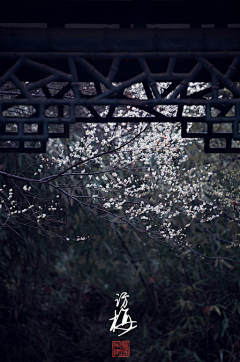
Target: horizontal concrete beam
x=119, y=40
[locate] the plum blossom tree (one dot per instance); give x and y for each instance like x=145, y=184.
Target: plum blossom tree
x=139, y=174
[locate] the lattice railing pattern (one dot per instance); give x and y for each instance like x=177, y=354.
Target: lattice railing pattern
x=41, y=94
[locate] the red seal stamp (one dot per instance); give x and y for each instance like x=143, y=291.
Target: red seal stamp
x=120, y=348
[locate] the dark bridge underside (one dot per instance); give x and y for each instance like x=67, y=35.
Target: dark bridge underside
x=57, y=13
x=53, y=75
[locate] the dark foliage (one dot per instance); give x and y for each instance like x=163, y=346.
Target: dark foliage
x=56, y=300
